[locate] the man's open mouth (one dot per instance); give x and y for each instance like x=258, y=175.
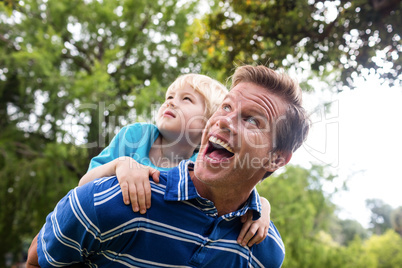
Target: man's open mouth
x=218, y=150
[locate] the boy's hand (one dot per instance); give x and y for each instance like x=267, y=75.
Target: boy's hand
x=134, y=182
x=254, y=232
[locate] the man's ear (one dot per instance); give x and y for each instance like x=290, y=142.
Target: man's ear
x=277, y=160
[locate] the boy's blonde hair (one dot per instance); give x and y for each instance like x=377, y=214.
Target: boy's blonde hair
x=213, y=91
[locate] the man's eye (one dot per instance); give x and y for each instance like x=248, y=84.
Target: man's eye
x=252, y=120
x=226, y=108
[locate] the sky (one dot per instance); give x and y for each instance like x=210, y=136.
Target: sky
x=360, y=139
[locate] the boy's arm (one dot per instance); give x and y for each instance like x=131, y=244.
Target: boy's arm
x=108, y=169
x=133, y=179
x=121, y=145
x=134, y=183
x=254, y=232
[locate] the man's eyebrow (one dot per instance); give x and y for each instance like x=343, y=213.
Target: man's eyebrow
x=228, y=97
x=258, y=113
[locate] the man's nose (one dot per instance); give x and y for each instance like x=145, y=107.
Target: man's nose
x=228, y=122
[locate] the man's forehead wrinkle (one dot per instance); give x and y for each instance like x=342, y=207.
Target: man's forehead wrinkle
x=272, y=104
x=267, y=102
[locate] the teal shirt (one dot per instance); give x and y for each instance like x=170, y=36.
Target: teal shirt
x=134, y=141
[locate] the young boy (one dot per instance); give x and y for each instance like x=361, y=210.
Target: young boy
x=190, y=100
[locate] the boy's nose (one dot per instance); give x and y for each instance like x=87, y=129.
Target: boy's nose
x=171, y=103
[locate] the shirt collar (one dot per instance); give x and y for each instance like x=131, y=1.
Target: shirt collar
x=180, y=187
x=253, y=203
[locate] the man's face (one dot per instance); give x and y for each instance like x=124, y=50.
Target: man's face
x=238, y=139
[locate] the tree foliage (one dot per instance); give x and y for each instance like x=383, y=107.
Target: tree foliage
x=71, y=73
x=396, y=220
x=313, y=236
x=337, y=39
x=386, y=249
x=300, y=210
x=380, y=219
x=344, y=231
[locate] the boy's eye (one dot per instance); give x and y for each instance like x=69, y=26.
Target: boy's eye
x=169, y=97
x=187, y=98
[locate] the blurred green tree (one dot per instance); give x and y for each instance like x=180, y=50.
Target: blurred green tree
x=380, y=219
x=345, y=230
x=386, y=248
x=304, y=214
x=396, y=220
x=302, y=211
x=71, y=73
x=336, y=40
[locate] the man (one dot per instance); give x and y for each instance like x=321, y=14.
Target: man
x=195, y=215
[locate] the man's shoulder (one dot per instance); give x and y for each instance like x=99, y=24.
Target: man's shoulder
x=274, y=245
x=109, y=187
x=106, y=192
x=93, y=192
x=105, y=182
x=109, y=208
x=101, y=201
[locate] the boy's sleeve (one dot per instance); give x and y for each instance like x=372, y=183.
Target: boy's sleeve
x=71, y=231
x=132, y=141
x=114, y=150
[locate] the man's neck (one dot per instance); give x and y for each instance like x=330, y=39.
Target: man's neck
x=226, y=199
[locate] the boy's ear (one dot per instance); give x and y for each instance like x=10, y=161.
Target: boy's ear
x=277, y=160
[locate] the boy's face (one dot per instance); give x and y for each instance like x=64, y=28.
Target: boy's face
x=182, y=115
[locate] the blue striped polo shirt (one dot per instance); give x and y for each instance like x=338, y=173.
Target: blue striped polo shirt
x=91, y=224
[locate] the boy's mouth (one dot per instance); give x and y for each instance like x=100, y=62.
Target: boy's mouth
x=218, y=150
x=169, y=114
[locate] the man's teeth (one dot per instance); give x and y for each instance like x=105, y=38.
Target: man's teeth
x=221, y=143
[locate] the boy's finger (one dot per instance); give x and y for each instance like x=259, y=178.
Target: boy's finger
x=141, y=199
x=133, y=198
x=251, y=232
x=258, y=237
x=124, y=191
x=265, y=234
x=246, y=217
x=154, y=174
x=243, y=231
x=147, y=187
x=243, y=218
